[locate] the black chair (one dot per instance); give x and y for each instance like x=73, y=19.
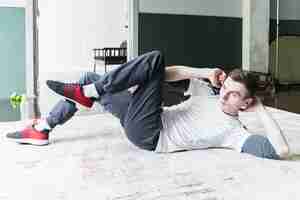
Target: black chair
x=110, y=56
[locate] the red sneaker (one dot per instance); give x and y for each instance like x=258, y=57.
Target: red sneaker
x=29, y=135
x=71, y=91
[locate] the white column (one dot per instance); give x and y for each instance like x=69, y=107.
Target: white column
x=256, y=16
x=27, y=109
x=133, y=23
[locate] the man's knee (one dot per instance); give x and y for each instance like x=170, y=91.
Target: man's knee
x=156, y=59
x=157, y=56
x=259, y=146
x=156, y=53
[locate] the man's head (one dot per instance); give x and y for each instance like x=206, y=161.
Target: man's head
x=238, y=91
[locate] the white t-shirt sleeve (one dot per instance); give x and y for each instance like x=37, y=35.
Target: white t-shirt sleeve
x=198, y=87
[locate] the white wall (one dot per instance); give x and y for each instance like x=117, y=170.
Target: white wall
x=288, y=9
x=12, y=3
x=224, y=8
x=69, y=30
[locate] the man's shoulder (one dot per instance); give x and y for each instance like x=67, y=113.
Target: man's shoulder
x=199, y=87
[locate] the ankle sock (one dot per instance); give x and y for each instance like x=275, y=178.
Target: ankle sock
x=42, y=126
x=90, y=91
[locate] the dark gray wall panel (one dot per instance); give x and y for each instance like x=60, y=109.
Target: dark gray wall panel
x=286, y=27
x=192, y=40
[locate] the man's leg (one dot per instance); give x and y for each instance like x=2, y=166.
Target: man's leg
x=135, y=72
x=37, y=133
x=116, y=104
x=65, y=109
x=142, y=123
x=260, y=146
x=143, y=120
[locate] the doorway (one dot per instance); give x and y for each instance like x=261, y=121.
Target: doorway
x=285, y=41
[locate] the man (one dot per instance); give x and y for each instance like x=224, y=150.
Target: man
x=203, y=121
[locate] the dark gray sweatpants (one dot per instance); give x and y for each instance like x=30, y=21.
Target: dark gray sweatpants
x=139, y=113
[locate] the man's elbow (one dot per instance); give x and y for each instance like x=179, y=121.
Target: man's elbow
x=283, y=153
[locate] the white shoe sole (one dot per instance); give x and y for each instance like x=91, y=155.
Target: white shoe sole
x=30, y=141
x=78, y=105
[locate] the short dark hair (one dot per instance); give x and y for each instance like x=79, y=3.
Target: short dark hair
x=248, y=79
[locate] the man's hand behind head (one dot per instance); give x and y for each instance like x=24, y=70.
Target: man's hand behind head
x=217, y=77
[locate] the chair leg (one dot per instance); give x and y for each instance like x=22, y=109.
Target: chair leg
x=105, y=70
x=95, y=66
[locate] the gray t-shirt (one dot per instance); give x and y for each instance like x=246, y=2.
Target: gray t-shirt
x=199, y=123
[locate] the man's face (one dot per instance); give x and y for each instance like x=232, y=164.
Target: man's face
x=233, y=97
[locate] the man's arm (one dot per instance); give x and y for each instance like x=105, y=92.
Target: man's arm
x=176, y=73
x=273, y=131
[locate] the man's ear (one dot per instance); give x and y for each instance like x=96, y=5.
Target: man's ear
x=248, y=103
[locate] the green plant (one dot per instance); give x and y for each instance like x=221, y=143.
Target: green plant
x=16, y=99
